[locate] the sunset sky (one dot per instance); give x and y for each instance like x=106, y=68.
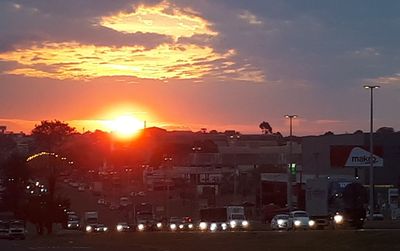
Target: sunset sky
x=185, y=65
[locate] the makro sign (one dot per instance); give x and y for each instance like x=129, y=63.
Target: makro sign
x=355, y=156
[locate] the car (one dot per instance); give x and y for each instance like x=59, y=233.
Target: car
x=96, y=228
x=101, y=201
x=4, y=230
x=377, y=216
x=123, y=227
x=124, y=202
x=74, y=184
x=175, y=224
x=299, y=220
x=280, y=221
x=213, y=226
x=139, y=194
x=114, y=206
x=17, y=230
x=81, y=188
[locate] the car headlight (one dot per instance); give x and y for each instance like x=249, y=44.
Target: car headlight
x=140, y=227
x=280, y=222
x=159, y=225
x=224, y=226
x=172, y=226
x=311, y=223
x=297, y=223
x=190, y=226
x=120, y=228
x=89, y=228
x=338, y=219
x=105, y=228
x=69, y=225
x=232, y=223
x=181, y=226
x=203, y=226
x=213, y=227
x=245, y=223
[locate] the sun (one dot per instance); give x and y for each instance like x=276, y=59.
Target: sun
x=126, y=127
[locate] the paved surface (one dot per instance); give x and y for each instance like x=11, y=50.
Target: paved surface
x=232, y=241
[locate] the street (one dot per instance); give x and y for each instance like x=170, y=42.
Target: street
x=267, y=240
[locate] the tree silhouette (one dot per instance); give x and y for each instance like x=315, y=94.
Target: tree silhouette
x=43, y=211
x=16, y=175
x=49, y=135
x=265, y=127
x=385, y=130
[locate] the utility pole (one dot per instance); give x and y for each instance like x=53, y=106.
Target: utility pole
x=289, y=165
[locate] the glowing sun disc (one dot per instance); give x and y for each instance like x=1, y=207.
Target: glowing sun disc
x=126, y=126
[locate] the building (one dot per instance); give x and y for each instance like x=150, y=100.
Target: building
x=332, y=155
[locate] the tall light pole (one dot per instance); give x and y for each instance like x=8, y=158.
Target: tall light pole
x=371, y=151
x=288, y=167
x=232, y=141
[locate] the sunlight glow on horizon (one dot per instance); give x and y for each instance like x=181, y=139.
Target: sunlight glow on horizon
x=125, y=127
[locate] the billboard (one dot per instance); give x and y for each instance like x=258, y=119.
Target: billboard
x=355, y=156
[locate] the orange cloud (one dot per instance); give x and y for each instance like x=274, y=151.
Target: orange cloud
x=162, y=19
x=179, y=59
x=77, y=61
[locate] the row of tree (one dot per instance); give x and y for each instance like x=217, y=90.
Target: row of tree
x=44, y=207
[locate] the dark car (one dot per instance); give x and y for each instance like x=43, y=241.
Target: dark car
x=124, y=227
x=180, y=224
x=96, y=228
x=4, y=230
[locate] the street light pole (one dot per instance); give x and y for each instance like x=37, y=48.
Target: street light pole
x=289, y=175
x=371, y=150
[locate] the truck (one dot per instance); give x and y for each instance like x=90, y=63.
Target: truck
x=336, y=202
x=222, y=218
x=144, y=217
x=91, y=219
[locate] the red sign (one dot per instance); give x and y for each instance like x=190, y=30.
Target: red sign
x=355, y=156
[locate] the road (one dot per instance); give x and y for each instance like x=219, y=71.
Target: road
x=232, y=241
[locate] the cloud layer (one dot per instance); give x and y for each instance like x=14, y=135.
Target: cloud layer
x=226, y=62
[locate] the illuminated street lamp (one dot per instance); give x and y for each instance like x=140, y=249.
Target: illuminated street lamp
x=289, y=166
x=232, y=142
x=371, y=151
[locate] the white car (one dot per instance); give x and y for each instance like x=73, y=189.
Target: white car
x=280, y=221
x=299, y=220
x=101, y=201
